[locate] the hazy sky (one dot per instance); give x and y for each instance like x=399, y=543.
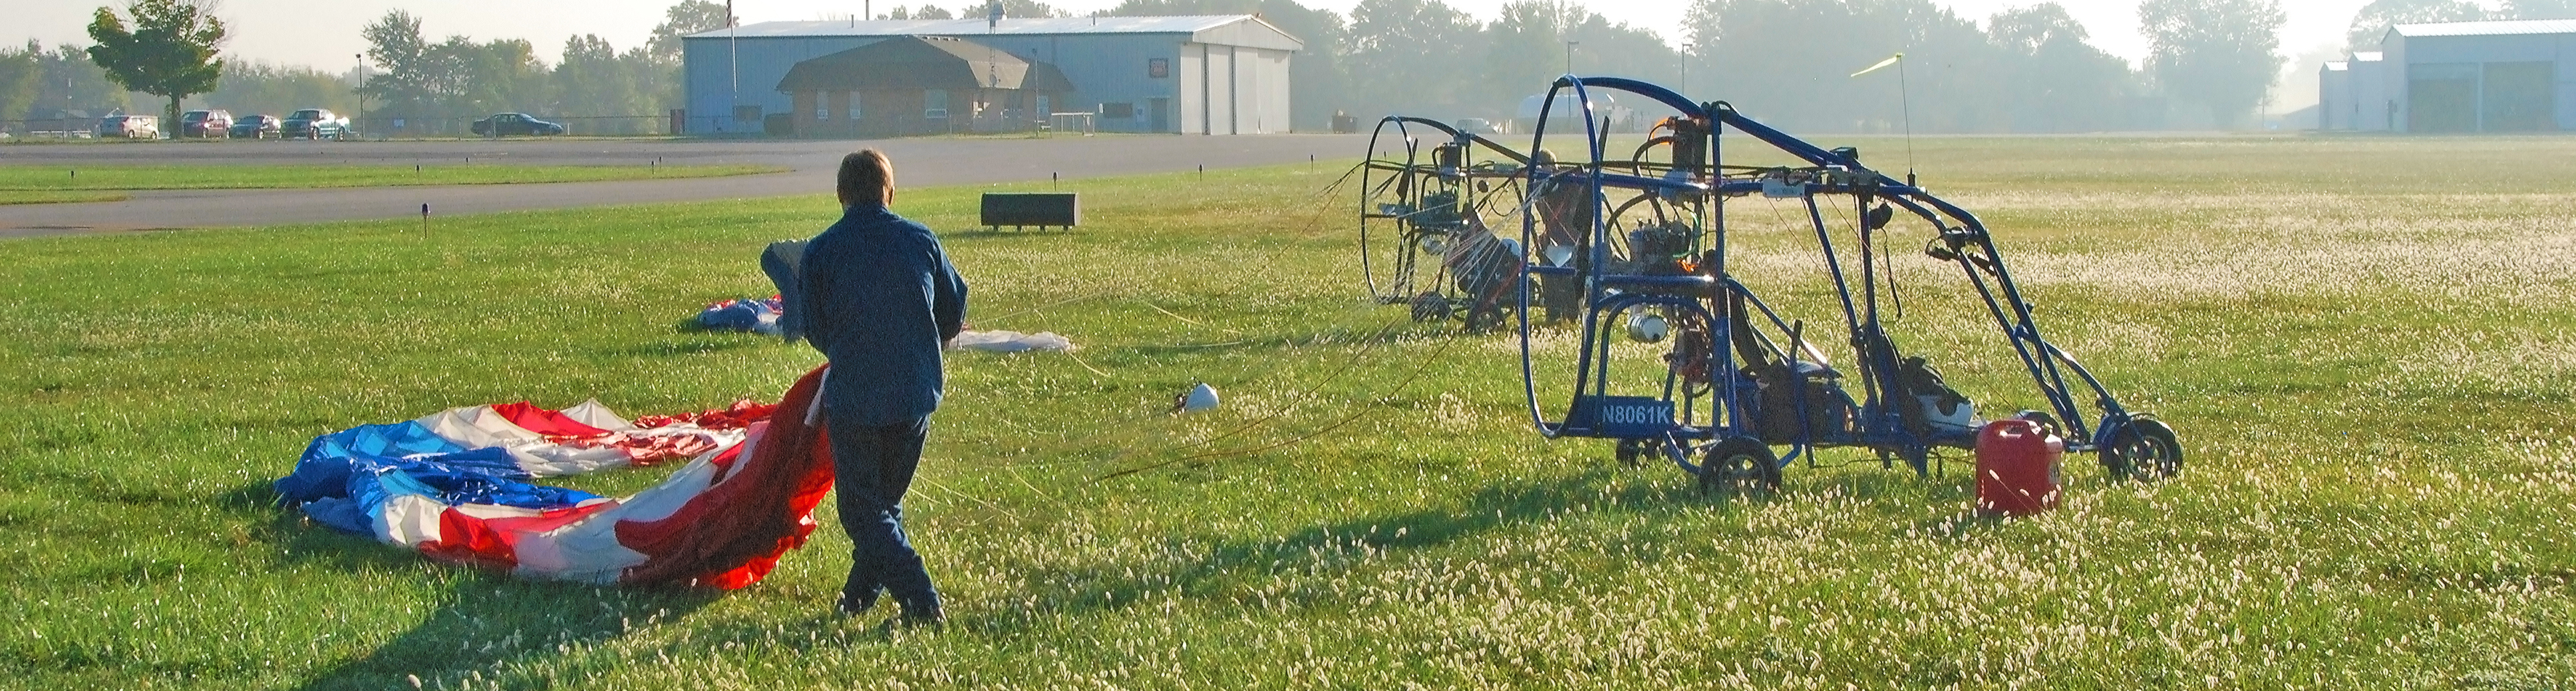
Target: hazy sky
x=291, y=32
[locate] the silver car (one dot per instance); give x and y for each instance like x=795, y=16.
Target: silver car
x=130, y=126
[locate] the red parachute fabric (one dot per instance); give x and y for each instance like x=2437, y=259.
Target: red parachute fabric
x=742, y=414
x=551, y=423
x=759, y=507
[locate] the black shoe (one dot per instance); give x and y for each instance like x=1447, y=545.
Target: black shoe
x=924, y=618
x=851, y=608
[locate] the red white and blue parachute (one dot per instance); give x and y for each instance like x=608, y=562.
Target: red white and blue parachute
x=454, y=485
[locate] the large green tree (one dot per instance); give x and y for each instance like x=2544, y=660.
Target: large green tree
x=401, y=85
x=2218, y=53
x=2052, y=81
x=72, y=83
x=252, y=87
x=169, y=51
x=688, y=17
x=19, y=73
x=1415, y=57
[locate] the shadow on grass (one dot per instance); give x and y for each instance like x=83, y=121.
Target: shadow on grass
x=488, y=626
x=1007, y=232
x=713, y=342
x=1231, y=570
x=494, y=628
x=1392, y=334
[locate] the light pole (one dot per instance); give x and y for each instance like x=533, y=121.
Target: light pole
x=1686, y=56
x=1569, y=56
x=362, y=87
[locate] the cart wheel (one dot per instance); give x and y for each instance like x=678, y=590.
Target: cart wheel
x=1430, y=307
x=2144, y=449
x=1739, y=465
x=1632, y=452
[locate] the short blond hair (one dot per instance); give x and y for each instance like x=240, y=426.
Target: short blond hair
x=866, y=176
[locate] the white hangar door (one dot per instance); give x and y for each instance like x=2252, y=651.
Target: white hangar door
x=1250, y=87
x=1190, y=83
x=1220, y=95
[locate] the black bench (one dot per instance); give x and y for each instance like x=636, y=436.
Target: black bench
x=1041, y=209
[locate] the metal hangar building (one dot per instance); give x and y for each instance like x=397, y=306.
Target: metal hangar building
x=1203, y=74
x=2489, y=76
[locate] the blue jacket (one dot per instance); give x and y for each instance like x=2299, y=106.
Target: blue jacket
x=880, y=300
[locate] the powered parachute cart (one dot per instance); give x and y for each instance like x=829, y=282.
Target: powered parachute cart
x=1634, y=248
x=1427, y=220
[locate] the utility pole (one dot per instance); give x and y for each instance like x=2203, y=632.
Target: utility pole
x=733, y=53
x=1686, y=56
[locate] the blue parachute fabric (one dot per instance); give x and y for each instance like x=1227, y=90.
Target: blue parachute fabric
x=324, y=469
x=476, y=476
x=733, y=315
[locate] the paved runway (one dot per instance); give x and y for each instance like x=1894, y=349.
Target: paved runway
x=918, y=163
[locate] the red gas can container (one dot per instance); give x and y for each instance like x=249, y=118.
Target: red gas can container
x=2017, y=468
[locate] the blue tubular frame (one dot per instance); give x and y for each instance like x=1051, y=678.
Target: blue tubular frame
x=1413, y=166
x=2055, y=373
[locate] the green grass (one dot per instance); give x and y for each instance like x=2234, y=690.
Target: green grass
x=2369, y=366
x=56, y=178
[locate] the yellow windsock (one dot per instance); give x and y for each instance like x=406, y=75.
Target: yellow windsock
x=1882, y=64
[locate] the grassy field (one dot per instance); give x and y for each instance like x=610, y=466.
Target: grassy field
x=2366, y=344
x=57, y=179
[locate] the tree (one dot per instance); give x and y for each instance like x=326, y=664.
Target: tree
x=2053, y=80
x=2024, y=30
x=261, y=88
x=1524, y=50
x=19, y=74
x=2537, y=9
x=2372, y=22
x=1408, y=55
x=401, y=84
x=72, y=82
x=1012, y=8
x=688, y=17
x=2218, y=53
x=170, y=51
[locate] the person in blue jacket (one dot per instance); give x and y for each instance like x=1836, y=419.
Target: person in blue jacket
x=881, y=300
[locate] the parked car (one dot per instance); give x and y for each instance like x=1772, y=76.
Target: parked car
x=205, y=123
x=255, y=127
x=130, y=126
x=314, y=123
x=1480, y=126
x=508, y=124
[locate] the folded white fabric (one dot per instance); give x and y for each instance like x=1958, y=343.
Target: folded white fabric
x=1010, y=341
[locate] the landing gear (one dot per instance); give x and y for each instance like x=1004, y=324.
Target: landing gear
x=1739, y=465
x=2144, y=449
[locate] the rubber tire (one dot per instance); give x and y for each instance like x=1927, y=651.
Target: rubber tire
x=1739, y=465
x=1431, y=307
x=2144, y=449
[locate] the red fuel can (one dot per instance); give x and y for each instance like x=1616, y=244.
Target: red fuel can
x=2017, y=468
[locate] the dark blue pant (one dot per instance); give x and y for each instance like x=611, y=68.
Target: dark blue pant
x=872, y=467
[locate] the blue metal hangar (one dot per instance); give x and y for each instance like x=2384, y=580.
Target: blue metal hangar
x=2491, y=76
x=1209, y=74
